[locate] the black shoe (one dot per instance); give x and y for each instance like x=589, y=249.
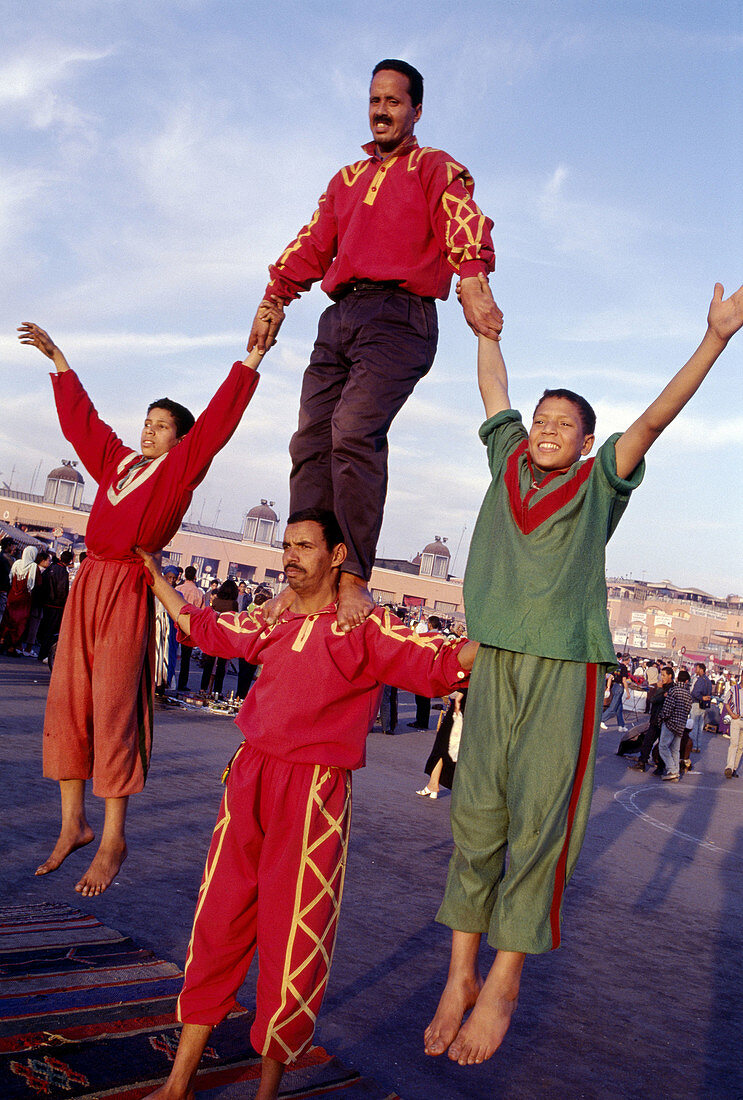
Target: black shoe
x=638, y=765
x=659, y=771
x=415, y=726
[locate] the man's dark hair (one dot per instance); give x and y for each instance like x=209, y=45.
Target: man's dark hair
x=184, y=419
x=42, y=556
x=415, y=80
x=683, y=677
x=7, y=544
x=190, y=572
x=703, y=668
x=327, y=520
x=587, y=415
x=67, y=557
x=434, y=622
x=667, y=668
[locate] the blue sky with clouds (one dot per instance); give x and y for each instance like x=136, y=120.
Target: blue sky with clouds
x=156, y=156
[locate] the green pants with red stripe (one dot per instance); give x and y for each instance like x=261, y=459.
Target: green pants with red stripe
x=521, y=796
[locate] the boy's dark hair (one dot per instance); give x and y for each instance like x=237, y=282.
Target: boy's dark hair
x=190, y=572
x=683, y=677
x=415, y=80
x=6, y=544
x=587, y=415
x=434, y=622
x=668, y=669
x=42, y=555
x=331, y=529
x=67, y=557
x=703, y=667
x=184, y=419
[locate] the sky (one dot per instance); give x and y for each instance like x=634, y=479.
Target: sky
x=155, y=157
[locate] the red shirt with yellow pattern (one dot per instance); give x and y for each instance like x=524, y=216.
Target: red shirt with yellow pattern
x=409, y=218
x=318, y=692
x=141, y=501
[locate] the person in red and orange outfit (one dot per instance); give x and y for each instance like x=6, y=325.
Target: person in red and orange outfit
x=274, y=874
x=98, y=721
x=387, y=236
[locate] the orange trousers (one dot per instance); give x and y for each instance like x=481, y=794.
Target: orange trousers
x=98, y=721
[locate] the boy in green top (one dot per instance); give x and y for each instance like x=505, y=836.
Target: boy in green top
x=535, y=596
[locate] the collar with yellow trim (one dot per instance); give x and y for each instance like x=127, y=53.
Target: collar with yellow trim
x=370, y=148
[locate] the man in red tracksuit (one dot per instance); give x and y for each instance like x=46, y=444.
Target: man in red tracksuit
x=274, y=873
x=98, y=721
x=387, y=236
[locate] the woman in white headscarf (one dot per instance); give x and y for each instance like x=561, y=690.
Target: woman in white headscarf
x=18, y=608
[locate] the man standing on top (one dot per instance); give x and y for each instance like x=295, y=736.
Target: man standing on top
x=387, y=236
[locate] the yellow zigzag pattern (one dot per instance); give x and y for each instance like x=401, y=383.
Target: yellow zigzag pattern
x=336, y=830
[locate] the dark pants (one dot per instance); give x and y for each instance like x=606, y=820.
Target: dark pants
x=51, y=620
x=218, y=675
x=372, y=348
x=186, y=651
x=245, y=674
x=422, y=711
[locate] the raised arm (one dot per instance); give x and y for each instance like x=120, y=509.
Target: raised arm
x=37, y=338
x=723, y=321
x=491, y=376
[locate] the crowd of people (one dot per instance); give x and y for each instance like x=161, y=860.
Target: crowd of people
x=680, y=703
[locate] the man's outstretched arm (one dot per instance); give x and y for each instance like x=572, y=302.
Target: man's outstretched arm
x=725, y=318
x=171, y=600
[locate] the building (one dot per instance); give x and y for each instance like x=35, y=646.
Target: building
x=59, y=518
x=661, y=619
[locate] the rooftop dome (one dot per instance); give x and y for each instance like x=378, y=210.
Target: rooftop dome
x=64, y=485
x=66, y=472
x=437, y=547
x=263, y=511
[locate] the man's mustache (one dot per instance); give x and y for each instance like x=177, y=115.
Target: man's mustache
x=383, y=118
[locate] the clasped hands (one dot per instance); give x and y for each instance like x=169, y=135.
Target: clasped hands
x=480, y=311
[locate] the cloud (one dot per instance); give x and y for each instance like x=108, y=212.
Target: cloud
x=29, y=82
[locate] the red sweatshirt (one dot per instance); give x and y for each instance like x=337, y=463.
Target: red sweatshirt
x=410, y=217
x=318, y=693
x=141, y=502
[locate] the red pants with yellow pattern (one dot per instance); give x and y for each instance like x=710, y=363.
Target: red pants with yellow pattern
x=273, y=879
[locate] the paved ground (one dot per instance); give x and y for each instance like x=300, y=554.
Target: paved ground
x=643, y=1000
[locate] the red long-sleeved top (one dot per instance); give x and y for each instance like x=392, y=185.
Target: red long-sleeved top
x=410, y=217
x=318, y=693
x=141, y=502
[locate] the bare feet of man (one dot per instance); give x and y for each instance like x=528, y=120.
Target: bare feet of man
x=70, y=839
x=354, y=601
x=103, y=870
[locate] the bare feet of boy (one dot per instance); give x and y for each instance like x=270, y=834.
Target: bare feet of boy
x=102, y=871
x=460, y=994
x=69, y=841
x=485, y=1029
x=354, y=601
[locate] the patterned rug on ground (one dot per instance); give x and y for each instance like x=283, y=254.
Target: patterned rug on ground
x=85, y=1013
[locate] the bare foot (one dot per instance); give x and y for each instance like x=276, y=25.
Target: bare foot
x=460, y=994
x=69, y=841
x=354, y=601
x=273, y=608
x=102, y=871
x=485, y=1029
